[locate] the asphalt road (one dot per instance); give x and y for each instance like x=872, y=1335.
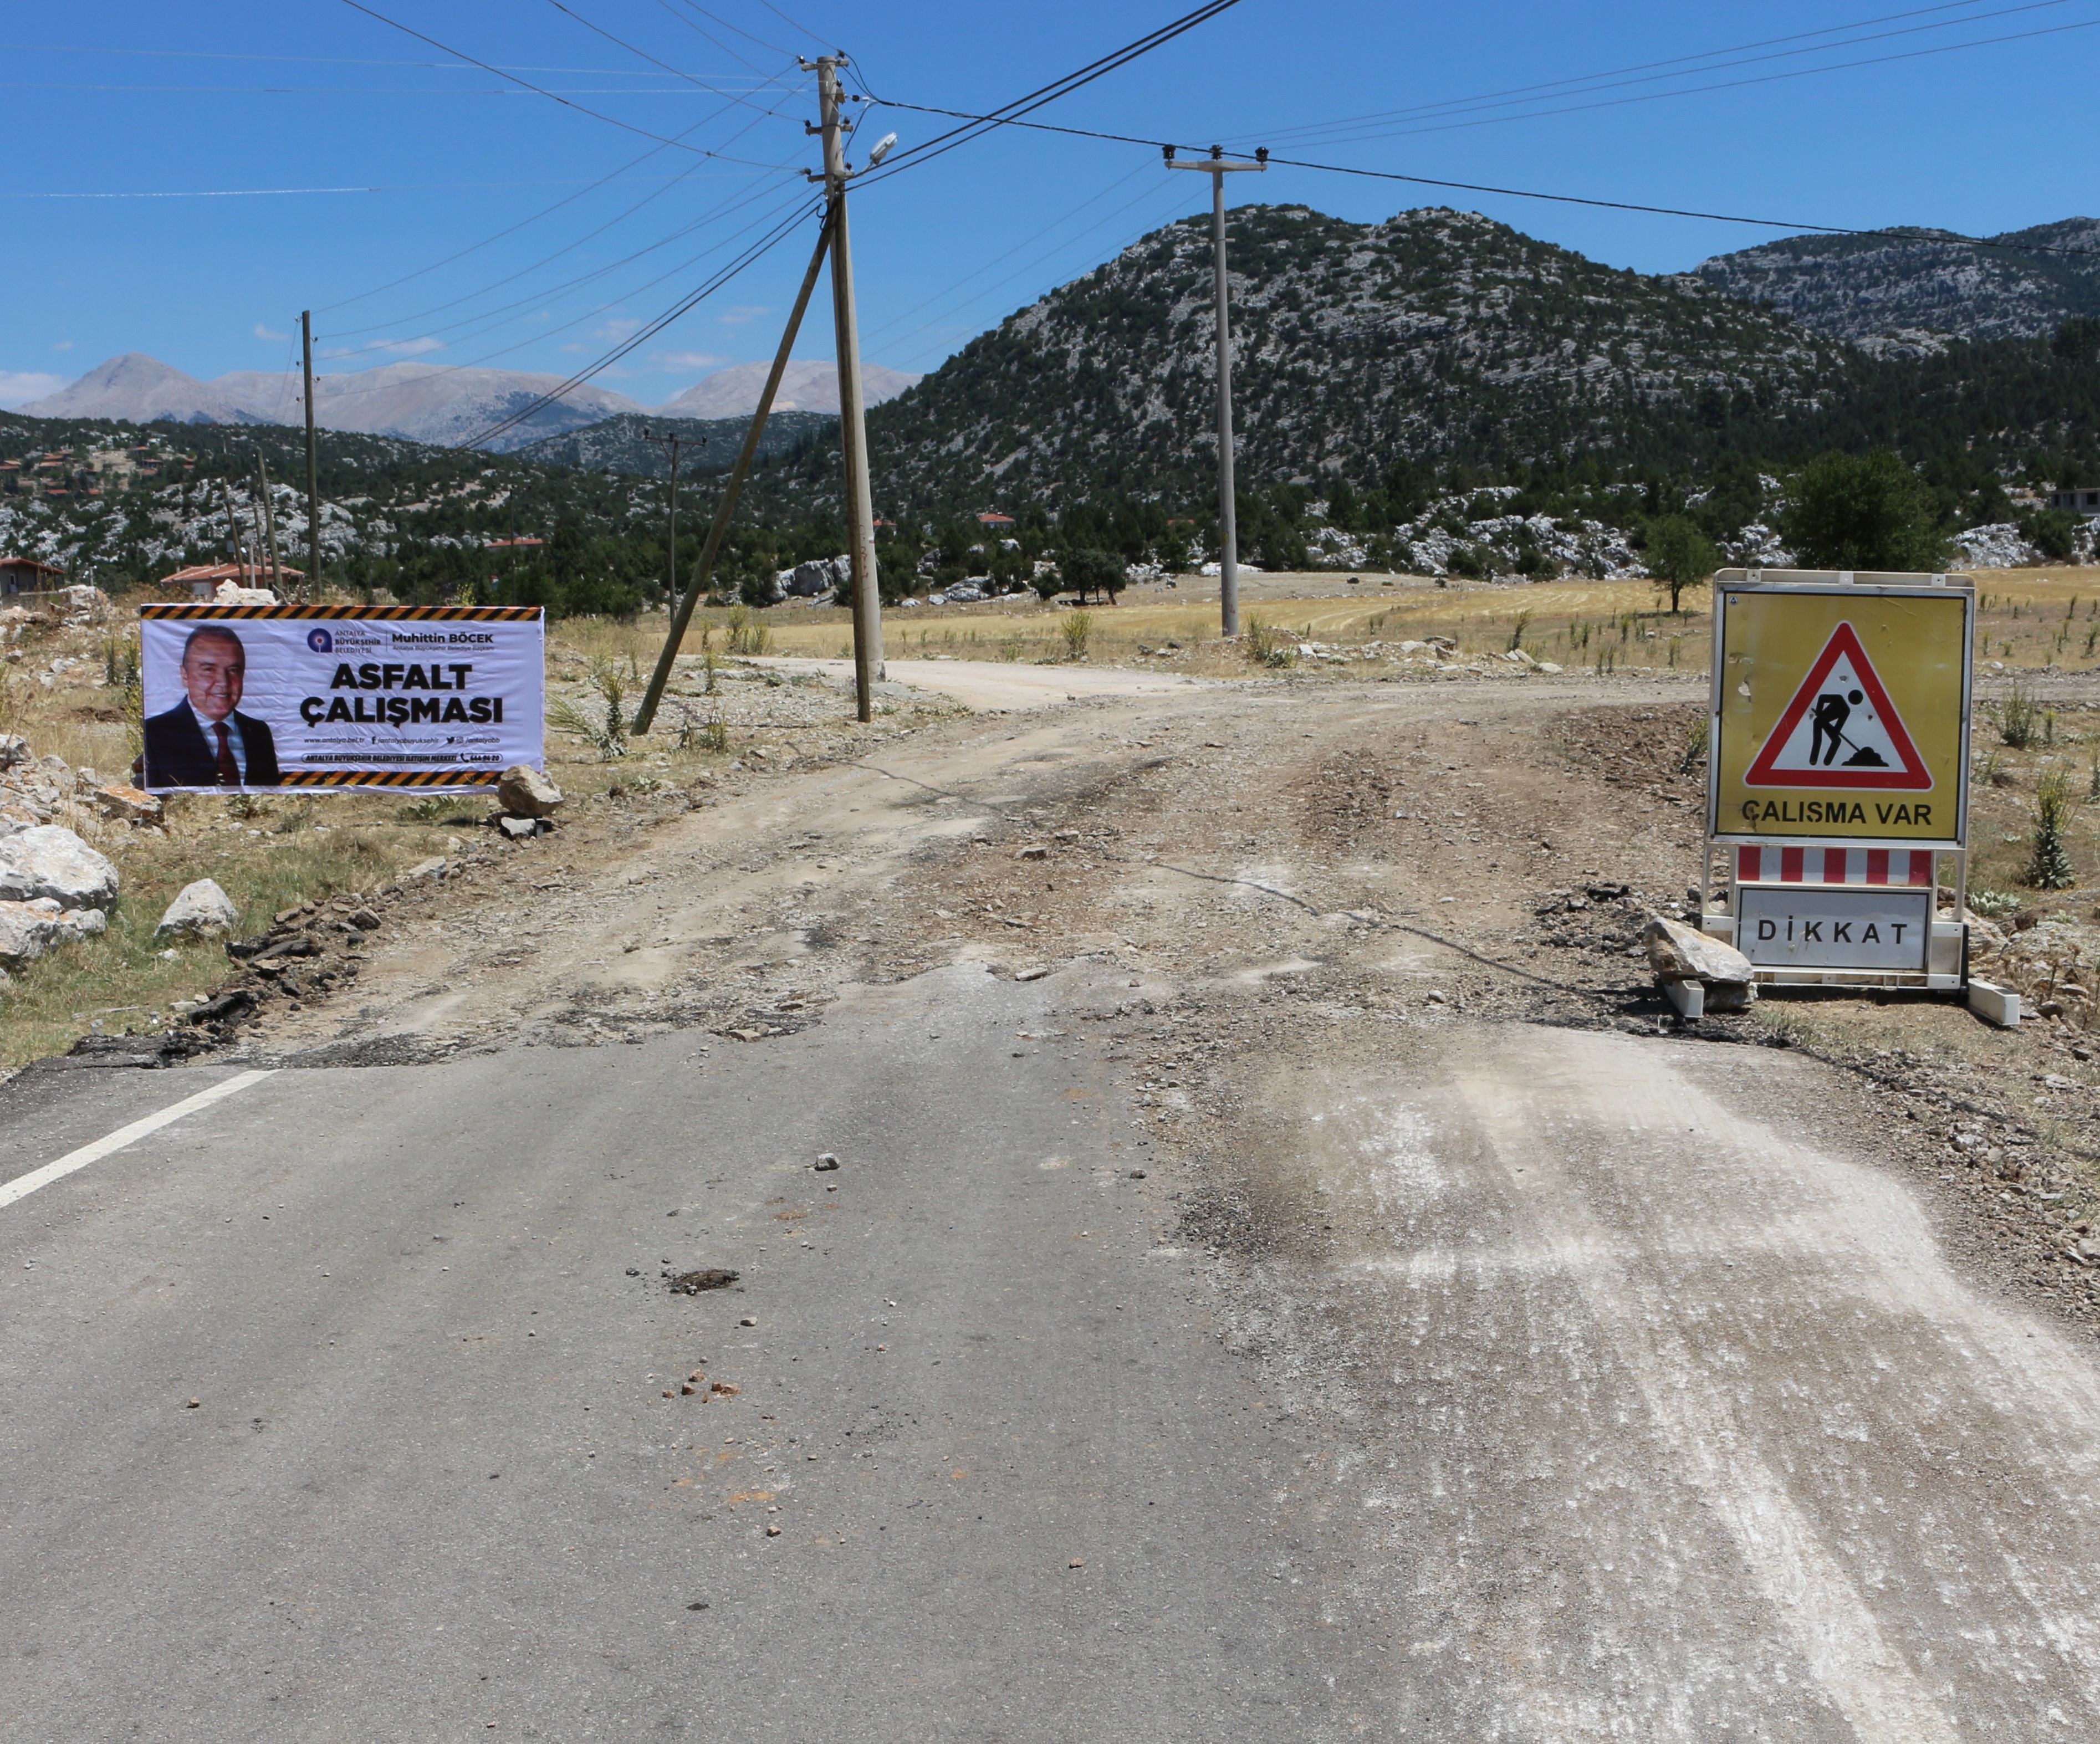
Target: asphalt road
x=432, y=1486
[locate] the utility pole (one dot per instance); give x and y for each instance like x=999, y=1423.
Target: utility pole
x=313, y=475
x=853, y=426
x=1217, y=166
x=681, y=609
x=673, y=442
x=268, y=511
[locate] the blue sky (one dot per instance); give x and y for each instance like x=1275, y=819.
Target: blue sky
x=128, y=99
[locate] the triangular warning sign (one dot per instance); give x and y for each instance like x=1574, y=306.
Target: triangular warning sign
x=1840, y=730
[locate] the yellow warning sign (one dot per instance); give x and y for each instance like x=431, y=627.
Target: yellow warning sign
x=1841, y=712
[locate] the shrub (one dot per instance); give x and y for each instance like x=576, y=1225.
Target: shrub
x=1077, y=627
x=2051, y=868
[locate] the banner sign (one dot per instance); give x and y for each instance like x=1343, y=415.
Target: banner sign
x=1841, y=713
x=248, y=696
x=1834, y=926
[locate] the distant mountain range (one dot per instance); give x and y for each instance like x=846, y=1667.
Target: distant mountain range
x=733, y=393
x=621, y=444
x=1921, y=287
x=427, y=402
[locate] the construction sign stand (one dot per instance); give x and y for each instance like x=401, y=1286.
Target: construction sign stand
x=1837, y=780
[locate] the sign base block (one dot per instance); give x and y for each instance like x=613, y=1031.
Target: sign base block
x=1995, y=1004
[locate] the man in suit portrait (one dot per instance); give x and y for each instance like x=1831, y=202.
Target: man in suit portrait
x=204, y=741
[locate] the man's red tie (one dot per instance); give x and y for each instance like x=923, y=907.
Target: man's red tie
x=229, y=771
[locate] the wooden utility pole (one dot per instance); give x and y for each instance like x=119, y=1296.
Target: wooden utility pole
x=313, y=476
x=1217, y=166
x=681, y=609
x=673, y=442
x=267, y=510
x=853, y=424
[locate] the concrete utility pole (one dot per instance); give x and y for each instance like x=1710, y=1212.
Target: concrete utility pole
x=853, y=425
x=673, y=442
x=1217, y=166
x=313, y=476
x=268, y=512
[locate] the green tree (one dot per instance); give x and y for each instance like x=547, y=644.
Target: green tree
x=1679, y=555
x=1088, y=572
x=1863, y=512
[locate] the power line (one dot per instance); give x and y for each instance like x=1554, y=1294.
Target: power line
x=804, y=210
x=315, y=60
x=569, y=11
x=911, y=156
x=1908, y=235
x=1695, y=91
x=610, y=121
x=399, y=187
x=1682, y=61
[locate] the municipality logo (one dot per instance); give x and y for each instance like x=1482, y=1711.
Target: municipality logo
x=319, y=641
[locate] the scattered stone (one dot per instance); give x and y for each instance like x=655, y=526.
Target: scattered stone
x=1035, y=852
x=1679, y=952
x=434, y=867
x=726, y=1389
x=1437, y=996
x=47, y=861
x=825, y=1161
x=708, y=1278
x=773, y=1531
x=128, y=805
x=749, y=1320
x=364, y=920
x=526, y=792
x=200, y=908
x=229, y=1008
x=523, y=829
x=1035, y=973
x=193, y=1405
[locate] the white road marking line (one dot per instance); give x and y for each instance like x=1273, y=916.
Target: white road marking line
x=23, y=1186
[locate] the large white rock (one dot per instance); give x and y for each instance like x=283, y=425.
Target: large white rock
x=1679, y=952
x=49, y=861
x=200, y=908
x=29, y=929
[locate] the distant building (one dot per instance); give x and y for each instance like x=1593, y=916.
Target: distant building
x=2075, y=502
x=995, y=522
x=203, y=580
x=27, y=576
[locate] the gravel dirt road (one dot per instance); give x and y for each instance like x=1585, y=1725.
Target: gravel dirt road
x=1287, y=1277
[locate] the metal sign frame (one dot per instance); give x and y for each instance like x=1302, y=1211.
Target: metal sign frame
x=1777, y=865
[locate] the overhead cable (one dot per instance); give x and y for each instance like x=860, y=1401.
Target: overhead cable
x=805, y=209
x=610, y=121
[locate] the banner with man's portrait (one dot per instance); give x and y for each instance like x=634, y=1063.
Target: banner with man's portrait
x=259, y=697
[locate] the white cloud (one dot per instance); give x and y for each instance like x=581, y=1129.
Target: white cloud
x=18, y=387
x=407, y=347
x=620, y=327
x=63, y=345
x=742, y=313
x=573, y=345
x=687, y=360
x=264, y=332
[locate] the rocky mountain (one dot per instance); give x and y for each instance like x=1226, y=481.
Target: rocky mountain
x=1906, y=295
x=1436, y=335
x=142, y=390
x=622, y=444
x=427, y=402
x=733, y=393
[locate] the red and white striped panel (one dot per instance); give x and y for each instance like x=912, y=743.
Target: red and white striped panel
x=1833, y=865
